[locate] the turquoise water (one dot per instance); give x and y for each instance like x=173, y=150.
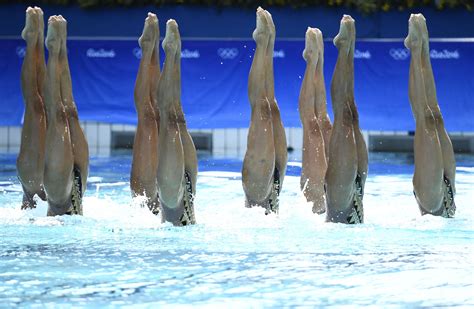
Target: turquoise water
x=118, y=253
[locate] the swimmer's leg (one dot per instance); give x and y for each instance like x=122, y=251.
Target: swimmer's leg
x=362, y=153
x=189, y=150
x=80, y=148
x=428, y=178
x=314, y=156
x=143, y=178
x=171, y=154
x=41, y=61
x=342, y=163
x=279, y=135
x=320, y=102
x=259, y=161
x=30, y=161
x=59, y=159
x=449, y=162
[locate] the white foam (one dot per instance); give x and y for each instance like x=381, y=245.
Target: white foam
x=219, y=203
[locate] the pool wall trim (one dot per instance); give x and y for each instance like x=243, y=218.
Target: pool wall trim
x=229, y=142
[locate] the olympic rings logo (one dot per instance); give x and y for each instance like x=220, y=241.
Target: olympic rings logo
x=399, y=53
x=228, y=53
x=21, y=51
x=137, y=52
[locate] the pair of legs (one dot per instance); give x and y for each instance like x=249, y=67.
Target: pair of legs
x=265, y=161
x=435, y=167
x=348, y=157
x=143, y=178
x=177, y=160
x=66, y=150
x=316, y=124
x=30, y=162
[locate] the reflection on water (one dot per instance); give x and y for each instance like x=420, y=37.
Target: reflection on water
x=118, y=253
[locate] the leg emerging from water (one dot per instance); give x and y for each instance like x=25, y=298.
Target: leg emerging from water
x=449, y=162
x=80, y=147
x=59, y=159
x=171, y=164
x=343, y=162
x=314, y=156
x=428, y=182
x=143, y=178
x=259, y=162
x=362, y=153
x=190, y=156
x=279, y=135
x=320, y=102
x=30, y=161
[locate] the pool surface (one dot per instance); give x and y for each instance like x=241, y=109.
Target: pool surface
x=118, y=253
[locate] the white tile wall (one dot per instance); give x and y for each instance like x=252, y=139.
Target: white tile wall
x=296, y=138
x=117, y=127
x=129, y=128
x=218, y=140
x=14, y=136
x=105, y=135
x=231, y=142
x=3, y=137
x=91, y=132
x=287, y=133
x=231, y=137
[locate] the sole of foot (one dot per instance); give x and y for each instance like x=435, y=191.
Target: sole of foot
x=261, y=34
x=53, y=39
x=344, y=40
x=30, y=31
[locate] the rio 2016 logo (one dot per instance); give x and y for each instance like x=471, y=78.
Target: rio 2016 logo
x=100, y=53
x=21, y=51
x=185, y=53
x=404, y=54
x=399, y=53
x=228, y=53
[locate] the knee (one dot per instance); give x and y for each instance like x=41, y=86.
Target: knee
x=71, y=111
x=313, y=126
x=347, y=116
x=437, y=116
x=429, y=119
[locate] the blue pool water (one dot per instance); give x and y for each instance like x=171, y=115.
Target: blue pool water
x=118, y=253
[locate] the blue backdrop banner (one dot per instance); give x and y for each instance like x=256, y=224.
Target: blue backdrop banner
x=215, y=74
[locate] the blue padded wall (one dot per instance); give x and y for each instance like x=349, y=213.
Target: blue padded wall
x=215, y=73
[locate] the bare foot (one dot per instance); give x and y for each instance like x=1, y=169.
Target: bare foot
x=345, y=39
x=156, y=46
x=147, y=40
x=310, y=52
x=271, y=25
x=424, y=34
x=319, y=44
x=413, y=41
x=261, y=34
x=171, y=42
x=62, y=33
x=39, y=11
x=30, y=32
x=53, y=38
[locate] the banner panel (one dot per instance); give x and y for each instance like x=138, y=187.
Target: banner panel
x=215, y=76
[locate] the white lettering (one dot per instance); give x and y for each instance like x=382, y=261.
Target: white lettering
x=279, y=53
x=190, y=54
x=362, y=54
x=444, y=54
x=100, y=53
